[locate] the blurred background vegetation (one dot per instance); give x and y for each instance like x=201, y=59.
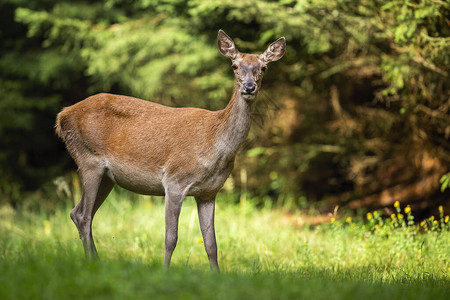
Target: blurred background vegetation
x=356, y=114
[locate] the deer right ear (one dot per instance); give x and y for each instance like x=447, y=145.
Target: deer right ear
x=226, y=45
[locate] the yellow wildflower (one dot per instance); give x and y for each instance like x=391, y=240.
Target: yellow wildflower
x=200, y=240
x=305, y=244
x=446, y=219
x=431, y=218
x=47, y=228
x=441, y=209
x=369, y=216
x=332, y=220
x=396, y=204
x=435, y=222
x=407, y=209
x=393, y=216
x=273, y=175
x=375, y=213
x=348, y=220
x=422, y=223
x=399, y=216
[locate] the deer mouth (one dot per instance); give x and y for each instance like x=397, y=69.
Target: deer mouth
x=248, y=96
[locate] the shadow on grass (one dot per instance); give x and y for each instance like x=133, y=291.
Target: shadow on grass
x=66, y=275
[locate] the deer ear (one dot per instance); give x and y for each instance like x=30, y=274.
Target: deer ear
x=226, y=45
x=275, y=51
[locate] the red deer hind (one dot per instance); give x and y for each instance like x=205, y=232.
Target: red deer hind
x=153, y=149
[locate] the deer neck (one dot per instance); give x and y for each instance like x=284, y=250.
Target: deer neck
x=234, y=126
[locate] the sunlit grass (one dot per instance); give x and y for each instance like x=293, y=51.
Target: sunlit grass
x=261, y=252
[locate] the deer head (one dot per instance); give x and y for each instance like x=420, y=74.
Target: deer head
x=249, y=68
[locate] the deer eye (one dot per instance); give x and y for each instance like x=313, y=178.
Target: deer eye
x=264, y=68
x=235, y=67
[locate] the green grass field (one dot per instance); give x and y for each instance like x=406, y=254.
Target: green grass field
x=263, y=254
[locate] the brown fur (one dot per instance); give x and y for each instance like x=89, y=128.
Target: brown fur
x=141, y=133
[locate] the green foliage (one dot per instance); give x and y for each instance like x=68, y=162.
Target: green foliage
x=445, y=181
x=367, y=78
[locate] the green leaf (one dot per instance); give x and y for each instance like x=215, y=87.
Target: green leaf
x=256, y=151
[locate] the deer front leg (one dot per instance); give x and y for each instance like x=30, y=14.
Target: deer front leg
x=206, y=219
x=173, y=202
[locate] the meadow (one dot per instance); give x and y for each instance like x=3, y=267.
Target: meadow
x=264, y=253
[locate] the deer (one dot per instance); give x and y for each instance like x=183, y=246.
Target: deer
x=152, y=149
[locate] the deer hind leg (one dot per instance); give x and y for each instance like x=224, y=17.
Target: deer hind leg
x=95, y=188
x=206, y=220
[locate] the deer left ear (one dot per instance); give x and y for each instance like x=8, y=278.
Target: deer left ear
x=275, y=51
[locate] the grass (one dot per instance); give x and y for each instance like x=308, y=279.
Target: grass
x=262, y=254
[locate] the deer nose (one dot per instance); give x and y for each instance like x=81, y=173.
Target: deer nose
x=249, y=87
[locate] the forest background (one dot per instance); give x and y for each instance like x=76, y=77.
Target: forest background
x=356, y=114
